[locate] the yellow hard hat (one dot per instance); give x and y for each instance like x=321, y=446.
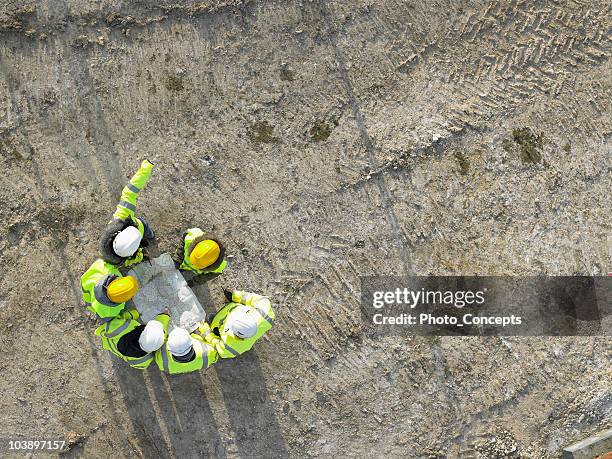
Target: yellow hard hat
x=122, y=289
x=204, y=254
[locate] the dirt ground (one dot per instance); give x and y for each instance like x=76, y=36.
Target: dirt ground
x=322, y=141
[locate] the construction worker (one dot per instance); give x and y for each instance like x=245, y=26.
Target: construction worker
x=126, y=235
x=184, y=353
x=105, y=289
x=132, y=341
x=202, y=255
x=239, y=324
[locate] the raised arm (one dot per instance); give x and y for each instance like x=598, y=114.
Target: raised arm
x=129, y=195
x=259, y=302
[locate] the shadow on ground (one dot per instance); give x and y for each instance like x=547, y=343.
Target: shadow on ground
x=249, y=407
x=182, y=409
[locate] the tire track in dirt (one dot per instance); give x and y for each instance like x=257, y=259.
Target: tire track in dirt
x=404, y=246
x=534, y=51
x=511, y=53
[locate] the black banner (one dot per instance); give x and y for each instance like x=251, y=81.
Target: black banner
x=487, y=306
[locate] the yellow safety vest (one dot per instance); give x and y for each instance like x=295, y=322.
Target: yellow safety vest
x=192, y=237
x=228, y=345
x=125, y=215
x=205, y=356
x=112, y=331
x=93, y=285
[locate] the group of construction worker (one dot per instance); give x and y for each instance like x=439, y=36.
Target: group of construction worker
x=244, y=319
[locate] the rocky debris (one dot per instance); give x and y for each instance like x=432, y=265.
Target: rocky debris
x=320, y=131
x=286, y=74
x=116, y=19
x=73, y=439
x=174, y=83
x=530, y=144
x=262, y=132
x=502, y=445
x=418, y=98
x=206, y=7
x=16, y=19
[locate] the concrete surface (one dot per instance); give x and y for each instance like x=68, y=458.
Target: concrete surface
x=320, y=141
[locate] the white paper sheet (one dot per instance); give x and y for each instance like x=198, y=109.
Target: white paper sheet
x=162, y=286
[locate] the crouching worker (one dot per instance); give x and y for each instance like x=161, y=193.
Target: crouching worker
x=202, y=255
x=105, y=289
x=239, y=324
x=132, y=341
x=184, y=353
x=126, y=235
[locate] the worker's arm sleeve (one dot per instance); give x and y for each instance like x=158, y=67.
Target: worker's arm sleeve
x=219, y=346
x=254, y=300
x=132, y=314
x=212, y=355
x=215, y=343
x=88, y=284
x=129, y=195
x=210, y=338
x=204, y=329
x=164, y=319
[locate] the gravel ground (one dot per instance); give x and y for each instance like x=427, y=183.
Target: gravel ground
x=321, y=141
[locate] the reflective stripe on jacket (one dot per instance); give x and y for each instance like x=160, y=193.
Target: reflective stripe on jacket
x=124, y=216
x=93, y=285
x=112, y=331
x=227, y=344
x=127, y=204
x=205, y=356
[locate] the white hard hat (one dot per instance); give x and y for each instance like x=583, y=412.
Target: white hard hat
x=179, y=342
x=152, y=337
x=242, y=322
x=127, y=241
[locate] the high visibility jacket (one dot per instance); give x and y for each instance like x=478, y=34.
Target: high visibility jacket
x=205, y=356
x=192, y=237
x=112, y=331
x=229, y=345
x=124, y=216
x=94, y=283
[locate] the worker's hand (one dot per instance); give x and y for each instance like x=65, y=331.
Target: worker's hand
x=203, y=328
x=228, y=293
x=147, y=164
x=211, y=337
